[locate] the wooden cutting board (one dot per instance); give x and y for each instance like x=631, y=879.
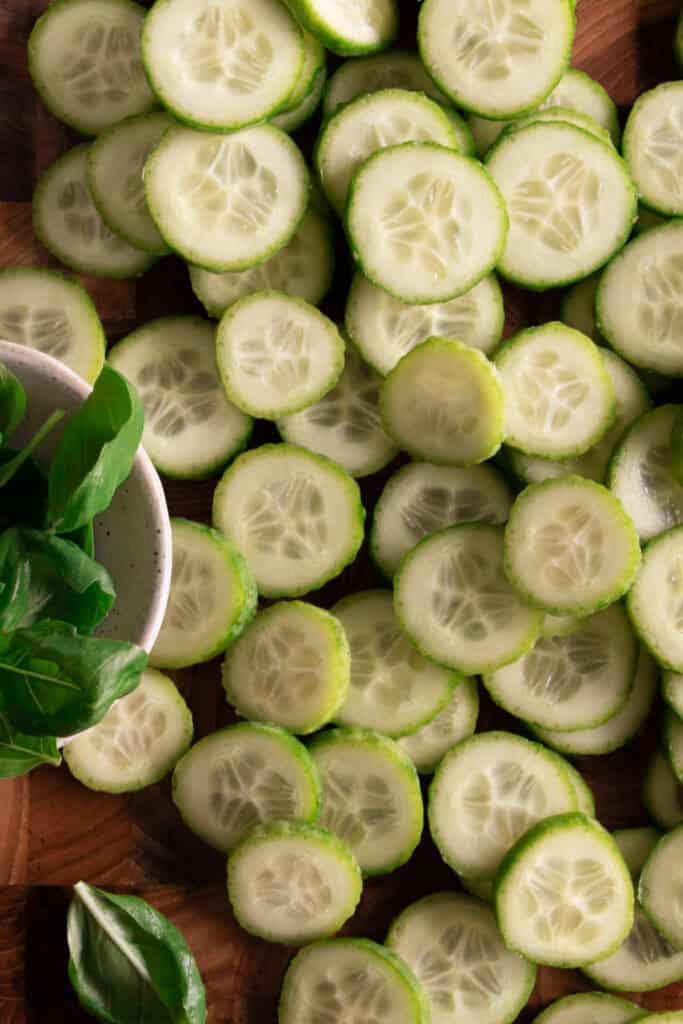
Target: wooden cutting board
x=54, y=832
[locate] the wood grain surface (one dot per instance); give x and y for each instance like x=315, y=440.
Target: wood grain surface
x=54, y=832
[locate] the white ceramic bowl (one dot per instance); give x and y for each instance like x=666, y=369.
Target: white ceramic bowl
x=133, y=537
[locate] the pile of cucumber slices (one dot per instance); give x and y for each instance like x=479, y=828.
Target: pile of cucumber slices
x=532, y=543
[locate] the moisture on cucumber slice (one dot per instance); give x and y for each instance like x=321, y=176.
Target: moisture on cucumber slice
x=456, y=722
x=662, y=793
x=590, y=1008
x=242, y=776
x=672, y=691
x=191, y=428
x=296, y=517
x=212, y=598
x=137, y=742
x=636, y=845
x=371, y=797
x=291, y=666
x=54, y=314
x=673, y=742
x=290, y=120
x=425, y=223
x=84, y=59
x=655, y=602
x=578, y=308
x=349, y=29
x=398, y=69
x=660, y=889
x=653, y=147
x=293, y=883
x=645, y=961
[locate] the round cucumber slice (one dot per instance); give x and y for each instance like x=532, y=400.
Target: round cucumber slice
x=242, y=776
x=291, y=666
x=454, y=723
x=314, y=62
x=398, y=69
x=587, y=1007
x=560, y=625
x=585, y=801
x=677, y=448
x=292, y=883
x=425, y=223
x=191, y=428
x=653, y=147
x=349, y=29
x=394, y=689
x=444, y=402
x=673, y=740
x=291, y=119
x=371, y=797
x=482, y=888
x=659, y=889
x=644, y=962
x=487, y=792
x=552, y=114
x=578, y=308
x=137, y=742
x=84, y=59
x=462, y=131
x=297, y=517
x=662, y=794
x=672, y=691
x=48, y=311
x=648, y=219
x=636, y=845
x=655, y=602
x=212, y=598
x=452, y=944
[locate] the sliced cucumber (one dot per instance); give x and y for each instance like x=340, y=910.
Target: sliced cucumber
x=660, y=891
x=662, y=794
x=212, y=598
x=84, y=59
x=655, y=602
x=645, y=961
x=137, y=742
x=653, y=147
x=648, y=219
x=677, y=448
x=454, y=723
x=191, y=428
x=242, y=776
x=462, y=131
x=578, y=308
x=673, y=740
x=398, y=69
x=482, y=888
x=678, y=41
x=590, y=1008
x=560, y=625
x=291, y=119
x=48, y=311
x=672, y=691
x=292, y=667
x=636, y=845
x=553, y=114
x=314, y=62
x=349, y=29
x=585, y=801
x=425, y=223
x=296, y=517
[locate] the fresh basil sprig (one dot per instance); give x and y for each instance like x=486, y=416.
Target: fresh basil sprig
x=20, y=753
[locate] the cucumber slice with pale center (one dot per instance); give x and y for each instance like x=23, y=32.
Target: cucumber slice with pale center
x=673, y=743
x=315, y=61
x=653, y=147
x=677, y=448
x=585, y=801
x=662, y=793
x=578, y=308
x=636, y=845
x=349, y=28
x=456, y=722
x=655, y=602
x=672, y=691
x=560, y=625
x=553, y=114
x=398, y=69
x=644, y=962
x=660, y=889
x=590, y=1008
x=291, y=119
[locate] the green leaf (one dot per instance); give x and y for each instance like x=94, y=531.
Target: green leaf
x=20, y=753
x=12, y=401
x=84, y=537
x=129, y=964
x=13, y=465
x=95, y=453
x=53, y=681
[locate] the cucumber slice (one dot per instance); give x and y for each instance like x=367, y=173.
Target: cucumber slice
x=84, y=59
x=564, y=896
x=578, y=308
x=653, y=147
x=386, y=329
x=554, y=114
x=560, y=625
x=425, y=223
x=648, y=219
x=655, y=602
x=137, y=742
x=590, y=1008
x=212, y=598
x=462, y=131
x=636, y=845
x=360, y=977
x=191, y=429
x=482, y=888
x=291, y=119
x=297, y=517
x=314, y=62
x=659, y=888
x=673, y=740
x=453, y=945
x=677, y=448
x=242, y=776
x=554, y=179
x=394, y=690
x=421, y=498
x=371, y=797
x=454, y=601
x=67, y=223
x=349, y=29
x=398, y=69
x=585, y=801
x=672, y=691
x=291, y=667
x=48, y=311
x=114, y=173
x=227, y=202
x=644, y=962
x=302, y=268
x=456, y=722
x=443, y=402
x=487, y=792
x=662, y=794
x=345, y=425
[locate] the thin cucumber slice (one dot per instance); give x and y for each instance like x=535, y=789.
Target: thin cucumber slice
x=662, y=793
x=444, y=402
x=644, y=962
x=425, y=223
x=653, y=147
x=487, y=792
x=570, y=548
x=455, y=723
x=585, y=801
x=648, y=219
x=673, y=740
x=84, y=59
x=578, y=308
x=655, y=602
x=590, y=1008
x=48, y=311
x=672, y=691
x=212, y=598
x=636, y=845
x=564, y=896
x=551, y=114
x=452, y=944
x=421, y=498
x=394, y=689
x=555, y=179
x=277, y=354
x=302, y=268
x=291, y=666
x=242, y=776
x=659, y=889
x=221, y=66
x=359, y=977
x=191, y=428
x=677, y=448
x=137, y=742
x=66, y=221
x=454, y=601
x=398, y=69
x=349, y=29
x=290, y=120
x=314, y=62
x=227, y=202
x=345, y=425
x=462, y=131
x=560, y=625
x=482, y=888
x=296, y=517
x=386, y=329
x=114, y=172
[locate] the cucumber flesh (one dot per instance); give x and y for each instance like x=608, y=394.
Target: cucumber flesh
x=644, y=962
x=455, y=723
x=655, y=602
x=578, y=308
x=396, y=70
x=662, y=793
x=289, y=120
x=672, y=691
x=552, y=114
x=636, y=845
x=652, y=147
x=659, y=888
x=590, y=1008
x=673, y=740
x=349, y=29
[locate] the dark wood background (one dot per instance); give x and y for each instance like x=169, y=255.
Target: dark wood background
x=54, y=832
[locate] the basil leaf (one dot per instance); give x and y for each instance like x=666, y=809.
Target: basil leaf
x=95, y=453
x=12, y=401
x=15, y=585
x=13, y=465
x=129, y=964
x=53, y=681
x=20, y=753
x=84, y=537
